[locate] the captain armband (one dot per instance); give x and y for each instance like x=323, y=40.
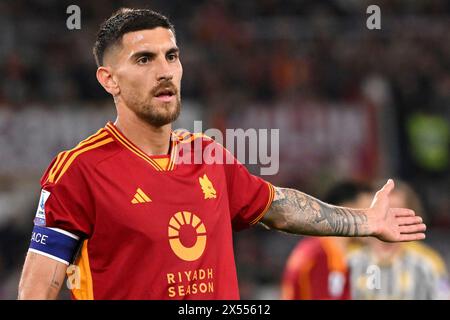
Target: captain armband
x=54, y=243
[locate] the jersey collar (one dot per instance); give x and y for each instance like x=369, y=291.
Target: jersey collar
x=120, y=138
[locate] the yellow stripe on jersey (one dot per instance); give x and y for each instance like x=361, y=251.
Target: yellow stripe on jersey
x=157, y=163
x=193, y=136
x=173, y=155
x=59, y=161
x=86, y=289
x=183, y=137
x=132, y=148
x=55, y=165
x=269, y=202
x=80, y=151
x=162, y=162
x=63, y=155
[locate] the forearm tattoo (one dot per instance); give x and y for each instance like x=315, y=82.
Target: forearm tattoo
x=54, y=283
x=296, y=212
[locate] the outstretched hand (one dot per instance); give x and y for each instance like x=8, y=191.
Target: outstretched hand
x=393, y=224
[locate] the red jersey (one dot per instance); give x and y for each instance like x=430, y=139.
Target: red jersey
x=316, y=270
x=152, y=227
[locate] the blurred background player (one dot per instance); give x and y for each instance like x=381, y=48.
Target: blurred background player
x=317, y=267
x=402, y=270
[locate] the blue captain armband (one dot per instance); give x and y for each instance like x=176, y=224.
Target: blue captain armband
x=54, y=243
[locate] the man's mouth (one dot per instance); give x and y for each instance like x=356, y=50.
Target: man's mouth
x=165, y=94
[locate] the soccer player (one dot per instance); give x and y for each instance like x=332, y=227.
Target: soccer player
x=412, y=271
x=137, y=217
x=317, y=267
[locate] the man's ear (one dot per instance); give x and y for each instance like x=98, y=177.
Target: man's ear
x=106, y=79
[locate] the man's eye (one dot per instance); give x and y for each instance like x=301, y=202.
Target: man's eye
x=143, y=60
x=172, y=57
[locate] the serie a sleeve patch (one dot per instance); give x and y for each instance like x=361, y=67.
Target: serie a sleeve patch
x=54, y=243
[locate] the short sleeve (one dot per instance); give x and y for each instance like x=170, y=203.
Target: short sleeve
x=65, y=201
x=249, y=196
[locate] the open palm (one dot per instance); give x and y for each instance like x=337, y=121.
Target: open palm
x=393, y=224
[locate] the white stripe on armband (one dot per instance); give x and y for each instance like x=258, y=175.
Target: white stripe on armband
x=49, y=256
x=65, y=232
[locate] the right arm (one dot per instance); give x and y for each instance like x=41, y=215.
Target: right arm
x=42, y=278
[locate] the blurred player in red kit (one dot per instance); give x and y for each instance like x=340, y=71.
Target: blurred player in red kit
x=138, y=217
x=407, y=271
x=317, y=267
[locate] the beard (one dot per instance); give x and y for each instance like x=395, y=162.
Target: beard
x=156, y=113
x=159, y=114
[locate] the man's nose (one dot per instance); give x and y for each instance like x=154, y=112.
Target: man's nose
x=164, y=71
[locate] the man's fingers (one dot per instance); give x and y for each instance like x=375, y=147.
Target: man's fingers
x=387, y=188
x=412, y=237
x=412, y=229
x=402, y=212
x=404, y=221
